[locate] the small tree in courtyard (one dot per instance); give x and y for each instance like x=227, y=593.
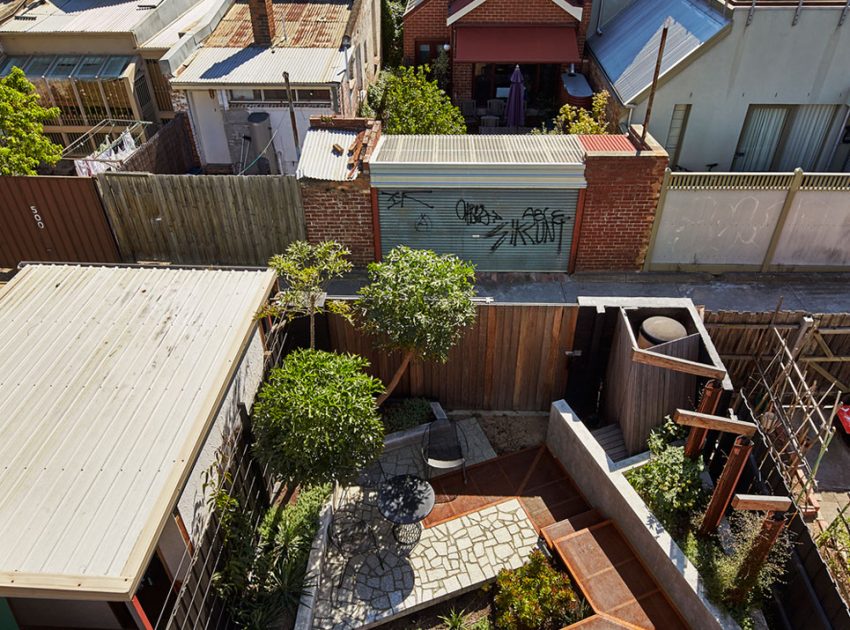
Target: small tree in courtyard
x=409, y=103
x=577, y=120
x=417, y=302
x=316, y=420
x=23, y=145
x=307, y=269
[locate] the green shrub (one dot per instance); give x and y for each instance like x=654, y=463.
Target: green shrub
x=669, y=483
x=406, y=414
x=263, y=573
x=536, y=596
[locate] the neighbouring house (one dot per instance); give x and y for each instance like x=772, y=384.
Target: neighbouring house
x=239, y=98
x=117, y=386
x=745, y=85
x=101, y=60
x=486, y=39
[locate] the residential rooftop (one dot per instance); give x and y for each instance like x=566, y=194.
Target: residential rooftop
x=110, y=378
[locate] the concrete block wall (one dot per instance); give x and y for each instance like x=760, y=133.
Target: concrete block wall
x=608, y=491
x=619, y=207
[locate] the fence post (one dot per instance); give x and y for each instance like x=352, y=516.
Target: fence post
x=796, y=181
x=708, y=405
x=725, y=486
x=771, y=528
x=662, y=198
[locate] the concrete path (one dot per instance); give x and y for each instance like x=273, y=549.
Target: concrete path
x=812, y=292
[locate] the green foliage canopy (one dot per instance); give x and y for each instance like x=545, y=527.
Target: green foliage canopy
x=409, y=103
x=316, y=419
x=23, y=145
x=577, y=120
x=418, y=301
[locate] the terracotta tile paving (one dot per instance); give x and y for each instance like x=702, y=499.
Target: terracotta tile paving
x=532, y=475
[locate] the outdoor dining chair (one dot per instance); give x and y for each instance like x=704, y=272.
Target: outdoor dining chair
x=444, y=445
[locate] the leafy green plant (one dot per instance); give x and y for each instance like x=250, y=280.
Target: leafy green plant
x=306, y=269
x=417, y=302
x=392, y=31
x=406, y=414
x=442, y=69
x=409, y=103
x=23, y=145
x=262, y=573
x=669, y=483
x=535, y=596
x=572, y=119
x=315, y=420
x=455, y=620
x=481, y=624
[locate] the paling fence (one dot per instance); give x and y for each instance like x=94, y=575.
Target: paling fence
x=751, y=221
x=512, y=358
x=208, y=220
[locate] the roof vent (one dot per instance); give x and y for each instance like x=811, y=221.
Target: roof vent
x=30, y=18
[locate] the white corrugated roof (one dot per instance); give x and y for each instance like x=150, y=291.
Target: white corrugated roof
x=628, y=47
x=78, y=16
x=170, y=35
x=262, y=66
x=473, y=149
x=320, y=161
x=109, y=379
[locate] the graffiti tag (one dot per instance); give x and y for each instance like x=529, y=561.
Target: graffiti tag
x=537, y=226
x=475, y=213
x=399, y=198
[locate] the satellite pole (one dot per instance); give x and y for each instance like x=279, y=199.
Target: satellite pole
x=654, y=81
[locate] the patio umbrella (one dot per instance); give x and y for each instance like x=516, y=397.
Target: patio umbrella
x=515, y=112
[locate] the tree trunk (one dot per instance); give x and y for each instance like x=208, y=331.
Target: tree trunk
x=396, y=377
x=312, y=331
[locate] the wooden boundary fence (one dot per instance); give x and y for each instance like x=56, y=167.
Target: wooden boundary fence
x=213, y=219
x=512, y=357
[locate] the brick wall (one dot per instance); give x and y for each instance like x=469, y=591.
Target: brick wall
x=171, y=150
x=426, y=22
x=619, y=207
x=340, y=211
x=462, y=81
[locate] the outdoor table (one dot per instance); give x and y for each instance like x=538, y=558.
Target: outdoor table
x=405, y=501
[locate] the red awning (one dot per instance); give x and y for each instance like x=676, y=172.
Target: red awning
x=516, y=44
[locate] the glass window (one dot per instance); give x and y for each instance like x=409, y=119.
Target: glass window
x=37, y=66
x=275, y=95
x=115, y=66
x=63, y=67
x=306, y=96
x=423, y=54
x=89, y=67
x=11, y=62
x=245, y=95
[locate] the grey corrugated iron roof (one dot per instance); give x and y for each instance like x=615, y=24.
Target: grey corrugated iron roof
x=628, y=48
x=262, y=66
x=320, y=161
x=110, y=377
x=473, y=149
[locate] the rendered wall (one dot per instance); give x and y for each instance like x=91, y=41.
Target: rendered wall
x=609, y=492
x=192, y=503
x=768, y=62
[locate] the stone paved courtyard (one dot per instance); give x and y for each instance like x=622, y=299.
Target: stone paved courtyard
x=450, y=557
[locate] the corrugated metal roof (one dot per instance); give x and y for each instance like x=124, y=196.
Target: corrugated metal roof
x=170, y=35
x=320, y=161
x=472, y=149
x=628, y=47
x=262, y=66
x=613, y=142
x=109, y=379
x=300, y=24
x=77, y=16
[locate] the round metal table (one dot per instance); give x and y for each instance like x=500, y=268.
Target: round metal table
x=405, y=501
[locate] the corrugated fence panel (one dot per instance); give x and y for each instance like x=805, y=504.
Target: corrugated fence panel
x=498, y=230
x=53, y=219
x=512, y=357
x=212, y=219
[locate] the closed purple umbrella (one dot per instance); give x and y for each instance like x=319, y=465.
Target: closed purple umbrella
x=515, y=112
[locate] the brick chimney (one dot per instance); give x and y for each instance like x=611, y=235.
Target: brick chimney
x=262, y=21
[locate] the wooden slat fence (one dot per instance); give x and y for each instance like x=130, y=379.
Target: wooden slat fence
x=214, y=219
x=736, y=336
x=511, y=358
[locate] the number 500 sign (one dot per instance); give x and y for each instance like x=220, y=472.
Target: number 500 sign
x=39, y=221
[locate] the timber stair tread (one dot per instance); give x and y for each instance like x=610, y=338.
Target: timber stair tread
x=570, y=525
x=610, y=438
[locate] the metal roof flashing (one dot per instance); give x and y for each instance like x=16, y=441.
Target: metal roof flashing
x=129, y=443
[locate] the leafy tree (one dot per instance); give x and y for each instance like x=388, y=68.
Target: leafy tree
x=307, y=269
x=442, y=68
x=23, y=145
x=417, y=302
x=409, y=103
x=316, y=420
x=578, y=120
x=392, y=30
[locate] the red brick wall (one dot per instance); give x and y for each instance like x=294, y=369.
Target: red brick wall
x=619, y=208
x=427, y=22
x=340, y=211
x=461, y=81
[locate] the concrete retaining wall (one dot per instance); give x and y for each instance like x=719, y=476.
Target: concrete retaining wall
x=609, y=491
